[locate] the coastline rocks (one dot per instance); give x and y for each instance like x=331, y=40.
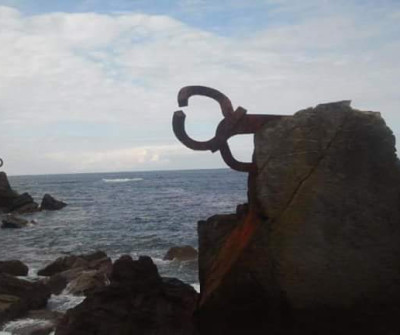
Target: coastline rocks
x=12, y=221
x=18, y=296
x=24, y=203
x=323, y=250
x=50, y=203
x=182, y=253
x=137, y=301
x=78, y=273
x=14, y=268
x=6, y=193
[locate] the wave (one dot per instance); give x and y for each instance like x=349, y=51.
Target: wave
x=121, y=180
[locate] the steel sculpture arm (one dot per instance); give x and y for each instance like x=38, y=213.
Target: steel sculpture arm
x=235, y=122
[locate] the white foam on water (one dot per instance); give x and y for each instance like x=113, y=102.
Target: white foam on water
x=23, y=324
x=64, y=301
x=121, y=180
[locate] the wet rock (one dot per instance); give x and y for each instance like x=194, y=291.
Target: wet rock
x=18, y=296
x=138, y=301
x=86, y=281
x=182, y=253
x=74, y=261
x=81, y=273
x=50, y=203
x=14, y=268
x=24, y=203
x=12, y=221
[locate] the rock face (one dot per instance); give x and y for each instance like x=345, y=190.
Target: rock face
x=325, y=252
x=13, y=268
x=18, y=296
x=49, y=203
x=24, y=203
x=79, y=274
x=138, y=301
x=6, y=193
x=182, y=253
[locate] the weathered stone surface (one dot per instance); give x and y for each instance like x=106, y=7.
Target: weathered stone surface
x=50, y=203
x=14, y=268
x=138, y=301
x=86, y=281
x=324, y=252
x=12, y=221
x=181, y=253
x=18, y=296
x=74, y=261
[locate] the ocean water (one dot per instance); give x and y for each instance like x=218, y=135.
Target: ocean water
x=135, y=213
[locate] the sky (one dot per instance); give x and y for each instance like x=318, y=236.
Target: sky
x=91, y=85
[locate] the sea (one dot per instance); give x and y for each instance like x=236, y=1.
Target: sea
x=134, y=213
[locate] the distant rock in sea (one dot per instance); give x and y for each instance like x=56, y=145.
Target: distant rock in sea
x=14, y=268
x=181, y=253
x=50, y=203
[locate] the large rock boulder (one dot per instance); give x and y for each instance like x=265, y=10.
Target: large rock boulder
x=323, y=243
x=50, y=203
x=18, y=296
x=24, y=203
x=80, y=273
x=13, y=268
x=138, y=301
x=181, y=253
x=7, y=194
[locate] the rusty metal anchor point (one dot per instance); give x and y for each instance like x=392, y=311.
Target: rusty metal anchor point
x=235, y=122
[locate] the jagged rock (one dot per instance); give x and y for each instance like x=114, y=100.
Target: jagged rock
x=81, y=273
x=50, y=203
x=68, y=262
x=13, y=268
x=18, y=296
x=182, y=253
x=24, y=203
x=86, y=281
x=138, y=301
x=323, y=246
x=7, y=194
x=12, y=221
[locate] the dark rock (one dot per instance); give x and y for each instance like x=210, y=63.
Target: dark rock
x=18, y=296
x=12, y=221
x=81, y=273
x=138, y=301
x=320, y=251
x=7, y=194
x=69, y=262
x=87, y=281
x=182, y=253
x=14, y=268
x=24, y=203
x=49, y=203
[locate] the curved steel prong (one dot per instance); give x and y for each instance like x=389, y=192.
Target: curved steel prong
x=188, y=91
x=1, y=162
x=232, y=162
x=178, y=125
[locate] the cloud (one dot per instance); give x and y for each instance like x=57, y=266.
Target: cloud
x=117, y=75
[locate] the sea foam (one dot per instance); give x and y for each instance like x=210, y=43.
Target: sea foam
x=121, y=180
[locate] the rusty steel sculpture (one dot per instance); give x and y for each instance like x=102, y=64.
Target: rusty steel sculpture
x=235, y=122
x=1, y=162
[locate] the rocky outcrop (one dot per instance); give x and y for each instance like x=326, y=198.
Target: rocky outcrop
x=12, y=221
x=79, y=274
x=24, y=203
x=50, y=203
x=138, y=301
x=13, y=268
x=322, y=244
x=7, y=194
x=183, y=253
x=18, y=296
